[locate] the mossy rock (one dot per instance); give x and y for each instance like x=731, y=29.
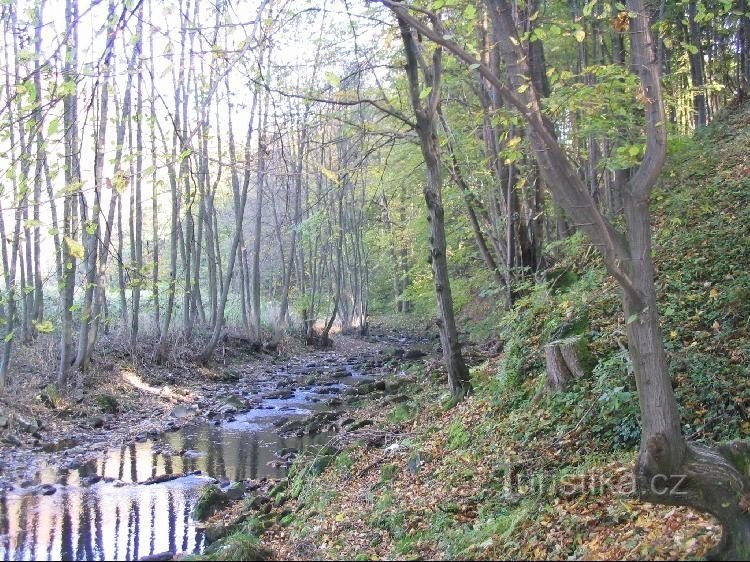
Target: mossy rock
x=210, y=501
x=279, y=488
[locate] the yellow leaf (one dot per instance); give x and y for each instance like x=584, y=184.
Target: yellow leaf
x=75, y=248
x=713, y=294
x=331, y=175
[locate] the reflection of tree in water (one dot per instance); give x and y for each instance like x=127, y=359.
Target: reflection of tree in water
x=99, y=524
x=83, y=548
x=240, y=467
x=4, y=523
x=23, y=514
x=135, y=510
x=66, y=532
x=133, y=463
x=121, y=470
x=186, y=525
x=172, y=521
x=253, y=438
x=152, y=535
x=53, y=528
x=117, y=532
x=216, y=444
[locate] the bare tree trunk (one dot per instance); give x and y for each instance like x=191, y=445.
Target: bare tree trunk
x=426, y=115
x=697, y=73
x=138, y=237
x=263, y=150
x=38, y=288
x=154, y=194
x=177, y=80
x=72, y=178
x=89, y=318
x=205, y=355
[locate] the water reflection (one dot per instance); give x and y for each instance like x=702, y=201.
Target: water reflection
x=116, y=518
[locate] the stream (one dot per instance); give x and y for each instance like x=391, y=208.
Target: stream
x=106, y=510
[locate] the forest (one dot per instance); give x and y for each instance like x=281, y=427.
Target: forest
x=374, y=279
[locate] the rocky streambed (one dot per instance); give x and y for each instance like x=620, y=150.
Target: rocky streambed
x=81, y=499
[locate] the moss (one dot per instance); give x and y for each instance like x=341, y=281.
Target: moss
x=211, y=500
x=388, y=472
x=320, y=464
x=107, y=403
x=238, y=546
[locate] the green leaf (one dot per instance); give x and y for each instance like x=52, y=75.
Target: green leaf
x=332, y=79
x=580, y=35
x=53, y=126
x=470, y=12
x=425, y=92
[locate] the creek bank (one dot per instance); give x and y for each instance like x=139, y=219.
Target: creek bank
x=274, y=410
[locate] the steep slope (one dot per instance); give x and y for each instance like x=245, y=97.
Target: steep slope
x=514, y=471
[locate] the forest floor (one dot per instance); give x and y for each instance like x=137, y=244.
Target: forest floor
x=515, y=471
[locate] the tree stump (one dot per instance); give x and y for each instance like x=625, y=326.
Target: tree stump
x=566, y=360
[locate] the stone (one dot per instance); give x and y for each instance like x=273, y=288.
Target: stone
x=281, y=421
x=158, y=557
x=13, y=440
x=414, y=353
x=180, y=411
x=46, y=489
x=26, y=425
x=227, y=409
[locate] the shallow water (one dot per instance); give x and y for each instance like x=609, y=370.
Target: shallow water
x=117, y=518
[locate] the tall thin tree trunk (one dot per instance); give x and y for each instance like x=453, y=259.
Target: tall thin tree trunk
x=426, y=115
x=72, y=180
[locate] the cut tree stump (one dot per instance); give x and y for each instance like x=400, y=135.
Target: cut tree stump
x=567, y=360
